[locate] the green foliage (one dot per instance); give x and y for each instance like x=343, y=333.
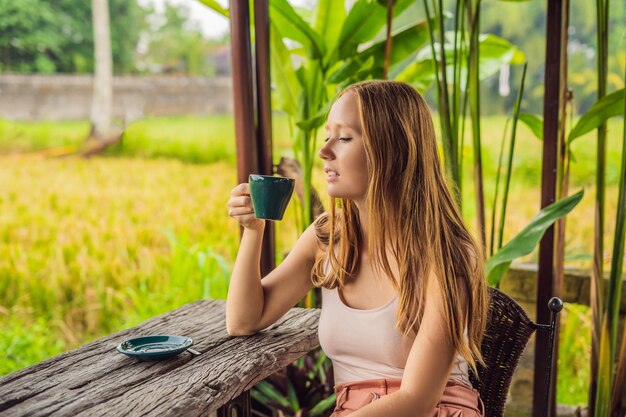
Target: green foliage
x=534, y=123
x=26, y=340
x=524, y=242
x=56, y=36
x=611, y=372
x=494, y=52
x=609, y=106
x=190, y=139
x=528, y=33
x=24, y=46
x=199, y=270
x=215, y=6
x=92, y=247
x=508, y=174
x=176, y=45
x=304, y=390
x=573, y=362
x=18, y=137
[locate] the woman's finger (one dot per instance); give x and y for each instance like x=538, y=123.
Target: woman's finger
x=241, y=189
x=240, y=201
x=240, y=211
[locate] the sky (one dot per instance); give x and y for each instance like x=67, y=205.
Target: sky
x=213, y=24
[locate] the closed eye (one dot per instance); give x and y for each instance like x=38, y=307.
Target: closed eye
x=339, y=139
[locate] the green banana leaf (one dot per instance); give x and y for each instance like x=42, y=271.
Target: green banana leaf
x=351, y=67
x=329, y=18
x=405, y=44
x=318, y=119
x=314, y=87
x=494, y=52
x=365, y=19
x=214, y=5
x=292, y=26
x=527, y=239
x=603, y=109
x=287, y=85
x=492, y=48
x=419, y=74
x=534, y=123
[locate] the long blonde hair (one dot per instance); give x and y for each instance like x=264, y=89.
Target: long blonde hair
x=410, y=208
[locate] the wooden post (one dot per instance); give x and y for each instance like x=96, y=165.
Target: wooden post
x=546, y=287
x=264, y=119
x=253, y=145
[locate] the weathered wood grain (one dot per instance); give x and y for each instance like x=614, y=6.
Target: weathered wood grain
x=96, y=380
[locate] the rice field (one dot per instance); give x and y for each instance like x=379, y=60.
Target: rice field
x=92, y=246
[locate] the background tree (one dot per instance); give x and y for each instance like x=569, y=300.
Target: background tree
x=27, y=43
x=102, y=101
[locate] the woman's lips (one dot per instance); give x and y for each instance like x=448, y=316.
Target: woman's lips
x=331, y=175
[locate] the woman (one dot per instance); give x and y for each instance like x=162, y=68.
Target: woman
x=404, y=302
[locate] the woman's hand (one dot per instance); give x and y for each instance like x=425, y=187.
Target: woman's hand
x=240, y=208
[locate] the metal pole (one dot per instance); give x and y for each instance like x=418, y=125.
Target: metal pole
x=545, y=284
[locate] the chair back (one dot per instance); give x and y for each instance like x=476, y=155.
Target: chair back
x=508, y=330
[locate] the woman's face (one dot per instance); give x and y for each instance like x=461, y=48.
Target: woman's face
x=345, y=160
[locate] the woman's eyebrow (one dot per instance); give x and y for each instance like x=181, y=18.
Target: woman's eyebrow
x=339, y=124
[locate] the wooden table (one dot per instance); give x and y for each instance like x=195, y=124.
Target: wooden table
x=96, y=380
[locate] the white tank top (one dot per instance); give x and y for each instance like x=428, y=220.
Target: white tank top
x=366, y=344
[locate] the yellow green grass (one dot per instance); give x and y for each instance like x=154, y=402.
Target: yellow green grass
x=88, y=247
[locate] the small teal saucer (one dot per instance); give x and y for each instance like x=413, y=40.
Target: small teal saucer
x=150, y=348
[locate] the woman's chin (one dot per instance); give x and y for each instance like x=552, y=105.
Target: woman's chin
x=335, y=194
x=345, y=196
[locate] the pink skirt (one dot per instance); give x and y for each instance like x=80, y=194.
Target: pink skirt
x=458, y=400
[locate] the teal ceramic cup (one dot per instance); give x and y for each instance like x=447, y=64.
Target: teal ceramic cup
x=270, y=195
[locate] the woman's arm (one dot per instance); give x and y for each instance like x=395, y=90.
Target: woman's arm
x=254, y=303
x=427, y=368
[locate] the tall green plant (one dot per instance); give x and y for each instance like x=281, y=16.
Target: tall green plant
x=460, y=58
x=509, y=165
x=606, y=379
x=602, y=21
x=473, y=20
x=609, y=393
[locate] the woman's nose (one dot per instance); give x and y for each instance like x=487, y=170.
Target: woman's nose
x=325, y=152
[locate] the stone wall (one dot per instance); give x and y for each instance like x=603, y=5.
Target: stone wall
x=520, y=283
x=68, y=97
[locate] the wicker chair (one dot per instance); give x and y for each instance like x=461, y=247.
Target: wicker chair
x=508, y=330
